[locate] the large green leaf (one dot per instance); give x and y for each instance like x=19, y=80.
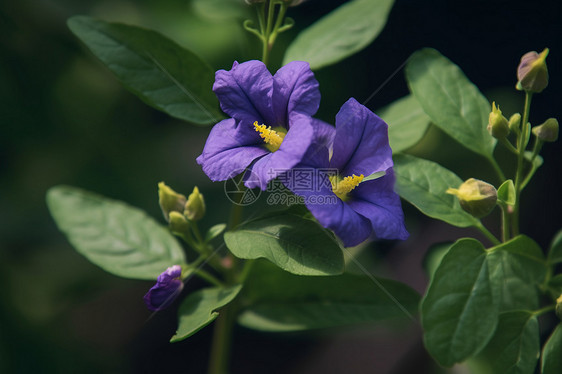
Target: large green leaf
x=279, y=301
x=295, y=244
x=113, y=235
x=423, y=183
x=515, y=346
x=452, y=102
x=341, y=33
x=517, y=267
x=555, y=251
x=200, y=308
x=407, y=122
x=156, y=69
x=551, y=361
x=469, y=289
x=460, y=310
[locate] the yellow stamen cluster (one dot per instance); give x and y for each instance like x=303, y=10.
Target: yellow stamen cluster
x=342, y=187
x=272, y=138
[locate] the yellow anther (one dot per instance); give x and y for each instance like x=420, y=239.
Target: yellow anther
x=342, y=187
x=271, y=138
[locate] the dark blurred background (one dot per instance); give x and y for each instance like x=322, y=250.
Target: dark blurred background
x=65, y=119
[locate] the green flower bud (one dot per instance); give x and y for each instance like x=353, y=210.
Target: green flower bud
x=548, y=131
x=532, y=72
x=498, y=126
x=169, y=200
x=515, y=122
x=178, y=223
x=195, y=206
x=559, y=307
x=476, y=197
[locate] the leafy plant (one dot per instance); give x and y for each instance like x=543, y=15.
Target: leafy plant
x=285, y=270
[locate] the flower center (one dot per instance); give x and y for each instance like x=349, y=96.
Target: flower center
x=342, y=187
x=271, y=138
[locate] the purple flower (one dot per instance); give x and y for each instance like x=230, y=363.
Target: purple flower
x=347, y=202
x=168, y=286
x=271, y=127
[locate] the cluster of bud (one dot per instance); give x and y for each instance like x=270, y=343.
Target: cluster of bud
x=178, y=210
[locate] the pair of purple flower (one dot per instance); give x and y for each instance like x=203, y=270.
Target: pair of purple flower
x=271, y=132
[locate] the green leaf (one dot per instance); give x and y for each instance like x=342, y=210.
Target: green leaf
x=423, y=183
x=460, y=310
x=279, y=301
x=340, y=34
x=113, y=235
x=517, y=267
x=151, y=66
x=515, y=346
x=551, y=361
x=452, y=102
x=199, y=309
x=407, y=122
x=506, y=192
x=215, y=231
x=555, y=251
x=297, y=245
x=470, y=287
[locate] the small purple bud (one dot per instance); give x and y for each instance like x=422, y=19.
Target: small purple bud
x=532, y=72
x=168, y=286
x=548, y=131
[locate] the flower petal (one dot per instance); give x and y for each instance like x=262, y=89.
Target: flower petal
x=361, y=141
x=294, y=90
x=244, y=92
x=229, y=149
x=377, y=201
x=167, y=288
x=294, y=147
x=331, y=211
x=325, y=133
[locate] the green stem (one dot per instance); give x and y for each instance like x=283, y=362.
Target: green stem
x=487, y=233
x=245, y=271
x=521, y=145
x=544, y=310
x=208, y=277
x=506, y=143
x=197, y=233
x=270, y=6
x=505, y=223
x=261, y=12
x=278, y=23
x=222, y=340
x=222, y=335
x=188, y=238
x=498, y=170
